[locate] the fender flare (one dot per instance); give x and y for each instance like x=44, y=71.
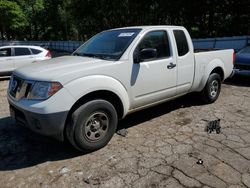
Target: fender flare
x=81, y=87
x=216, y=63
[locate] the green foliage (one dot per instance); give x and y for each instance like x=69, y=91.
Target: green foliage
x=11, y=17
x=33, y=10
x=203, y=18
x=79, y=19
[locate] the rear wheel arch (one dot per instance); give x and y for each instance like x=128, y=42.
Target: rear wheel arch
x=219, y=71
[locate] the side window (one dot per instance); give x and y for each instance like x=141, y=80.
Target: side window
x=157, y=40
x=35, y=51
x=5, y=52
x=21, y=51
x=181, y=42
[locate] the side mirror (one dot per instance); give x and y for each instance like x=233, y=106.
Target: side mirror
x=148, y=53
x=144, y=54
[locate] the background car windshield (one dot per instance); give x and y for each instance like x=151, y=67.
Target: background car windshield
x=245, y=50
x=109, y=45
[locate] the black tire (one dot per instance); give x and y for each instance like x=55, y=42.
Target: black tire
x=92, y=125
x=211, y=91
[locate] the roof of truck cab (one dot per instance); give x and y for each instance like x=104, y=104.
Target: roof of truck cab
x=145, y=27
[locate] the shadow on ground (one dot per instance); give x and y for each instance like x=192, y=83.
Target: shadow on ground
x=159, y=110
x=21, y=148
x=239, y=80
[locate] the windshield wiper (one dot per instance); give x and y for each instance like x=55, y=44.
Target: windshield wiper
x=98, y=56
x=89, y=55
x=76, y=54
x=84, y=54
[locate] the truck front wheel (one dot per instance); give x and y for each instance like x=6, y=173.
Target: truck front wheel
x=92, y=125
x=211, y=91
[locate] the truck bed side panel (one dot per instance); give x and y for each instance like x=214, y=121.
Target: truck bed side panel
x=206, y=62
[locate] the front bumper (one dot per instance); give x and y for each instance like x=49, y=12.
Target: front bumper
x=45, y=124
x=43, y=117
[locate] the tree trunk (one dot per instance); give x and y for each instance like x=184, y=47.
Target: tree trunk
x=30, y=31
x=2, y=33
x=36, y=31
x=211, y=12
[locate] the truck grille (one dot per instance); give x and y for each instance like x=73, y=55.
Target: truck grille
x=19, y=88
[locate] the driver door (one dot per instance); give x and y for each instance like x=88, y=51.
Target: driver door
x=153, y=78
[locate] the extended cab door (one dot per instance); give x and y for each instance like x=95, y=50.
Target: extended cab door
x=23, y=56
x=6, y=62
x=185, y=59
x=153, y=75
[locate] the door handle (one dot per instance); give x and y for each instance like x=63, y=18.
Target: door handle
x=171, y=65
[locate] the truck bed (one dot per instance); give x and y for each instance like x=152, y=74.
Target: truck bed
x=205, y=50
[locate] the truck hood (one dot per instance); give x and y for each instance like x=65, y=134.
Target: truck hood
x=58, y=69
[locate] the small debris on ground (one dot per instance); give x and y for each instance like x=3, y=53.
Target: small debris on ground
x=64, y=170
x=93, y=181
x=79, y=173
x=199, y=162
x=122, y=132
x=214, y=126
x=193, y=154
x=112, y=157
x=87, y=181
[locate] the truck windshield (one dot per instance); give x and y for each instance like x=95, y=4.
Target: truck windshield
x=108, y=45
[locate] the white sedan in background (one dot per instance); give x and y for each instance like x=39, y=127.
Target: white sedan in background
x=12, y=57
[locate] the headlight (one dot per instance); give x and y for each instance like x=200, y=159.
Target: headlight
x=44, y=90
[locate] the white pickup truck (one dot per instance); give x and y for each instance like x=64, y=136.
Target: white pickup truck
x=81, y=97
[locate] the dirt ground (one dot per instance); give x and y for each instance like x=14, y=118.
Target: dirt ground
x=161, y=149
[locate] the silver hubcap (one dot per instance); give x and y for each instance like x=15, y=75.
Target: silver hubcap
x=214, y=88
x=96, y=126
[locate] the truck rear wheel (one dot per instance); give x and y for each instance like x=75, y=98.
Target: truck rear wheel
x=92, y=125
x=211, y=91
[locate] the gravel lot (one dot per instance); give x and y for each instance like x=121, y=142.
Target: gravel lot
x=161, y=149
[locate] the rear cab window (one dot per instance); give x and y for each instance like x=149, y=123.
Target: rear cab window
x=5, y=52
x=22, y=51
x=157, y=40
x=181, y=42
